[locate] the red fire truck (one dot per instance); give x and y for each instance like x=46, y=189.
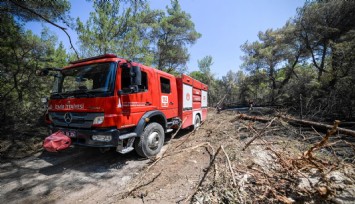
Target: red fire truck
x=107, y=101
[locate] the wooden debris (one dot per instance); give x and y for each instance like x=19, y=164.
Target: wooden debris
x=188, y=199
x=218, y=106
x=319, y=125
x=308, y=153
x=294, y=120
x=248, y=117
x=187, y=137
x=230, y=167
x=278, y=171
x=258, y=135
x=142, y=185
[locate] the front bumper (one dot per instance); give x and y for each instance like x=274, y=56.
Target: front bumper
x=84, y=137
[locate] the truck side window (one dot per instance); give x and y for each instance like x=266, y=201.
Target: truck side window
x=164, y=85
x=126, y=81
x=144, y=86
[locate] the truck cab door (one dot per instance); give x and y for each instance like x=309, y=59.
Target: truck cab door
x=168, y=95
x=133, y=101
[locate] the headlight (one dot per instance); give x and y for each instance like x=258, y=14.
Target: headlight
x=98, y=120
x=102, y=138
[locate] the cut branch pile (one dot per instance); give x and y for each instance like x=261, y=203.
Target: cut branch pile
x=274, y=163
x=283, y=176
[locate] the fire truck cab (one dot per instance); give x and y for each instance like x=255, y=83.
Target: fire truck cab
x=107, y=101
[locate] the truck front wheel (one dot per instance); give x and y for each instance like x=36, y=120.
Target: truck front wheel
x=151, y=140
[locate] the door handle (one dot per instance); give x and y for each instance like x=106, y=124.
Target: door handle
x=171, y=103
x=148, y=103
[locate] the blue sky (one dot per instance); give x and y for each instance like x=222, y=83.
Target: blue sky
x=225, y=25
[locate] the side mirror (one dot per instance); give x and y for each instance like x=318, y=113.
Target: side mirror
x=136, y=75
x=44, y=100
x=42, y=72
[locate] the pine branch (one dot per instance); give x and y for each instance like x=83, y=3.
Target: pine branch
x=48, y=21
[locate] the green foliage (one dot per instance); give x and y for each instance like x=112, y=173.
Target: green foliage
x=136, y=32
x=31, y=10
x=230, y=85
x=198, y=75
x=204, y=66
x=105, y=29
x=308, y=62
x=265, y=55
x=208, y=78
x=22, y=54
x=173, y=33
x=114, y=28
x=215, y=92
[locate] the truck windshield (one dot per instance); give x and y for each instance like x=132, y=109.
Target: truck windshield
x=86, y=81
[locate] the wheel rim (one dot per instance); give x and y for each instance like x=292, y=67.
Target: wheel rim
x=153, y=140
x=198, y=122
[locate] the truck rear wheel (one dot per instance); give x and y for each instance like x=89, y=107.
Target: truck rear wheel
x=151, y=140
x=197, y=122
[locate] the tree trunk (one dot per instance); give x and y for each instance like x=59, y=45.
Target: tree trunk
x=293, y=120
x=319, y=125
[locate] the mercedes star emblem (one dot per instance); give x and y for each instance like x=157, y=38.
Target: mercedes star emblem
x=67, y=118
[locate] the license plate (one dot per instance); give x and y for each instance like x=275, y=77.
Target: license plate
x=70, y=133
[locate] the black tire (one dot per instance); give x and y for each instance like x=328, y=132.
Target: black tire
x=197, y=122
x=151, y=140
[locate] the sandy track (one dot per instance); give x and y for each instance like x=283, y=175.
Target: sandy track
x=75, y=175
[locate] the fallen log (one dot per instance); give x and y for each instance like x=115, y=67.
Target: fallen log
x=319, y=125
x=248, y=117
x=294, y=120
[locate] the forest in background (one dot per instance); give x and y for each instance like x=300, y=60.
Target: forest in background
x=307, y=64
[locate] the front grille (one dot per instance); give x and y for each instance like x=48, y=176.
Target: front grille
x=79, y=120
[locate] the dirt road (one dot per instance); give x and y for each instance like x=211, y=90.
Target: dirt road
x=85, y=175
x=192, y=169
x=75, y=175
